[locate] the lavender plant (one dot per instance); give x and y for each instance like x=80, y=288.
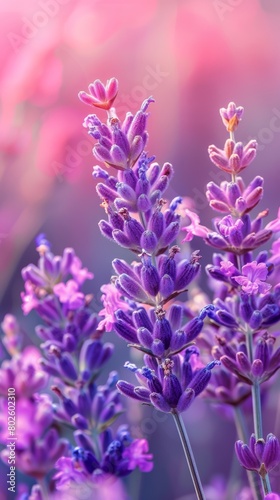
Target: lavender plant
x=246, y=291
x=75, y=434
x=223, y=350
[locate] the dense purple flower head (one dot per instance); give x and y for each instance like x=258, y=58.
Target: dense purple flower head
x=261, y=455
x=171, y=386
x=120, y=455
x=235, y=357
x=38, y=445
x=158, y=332
x=119, y=145
x=234, y=197
x=89, y=406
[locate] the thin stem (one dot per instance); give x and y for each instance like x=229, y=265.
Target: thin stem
x=242, y=434
x=266, y=484
x=257, y=408
x=44, y=488
x=189, y=456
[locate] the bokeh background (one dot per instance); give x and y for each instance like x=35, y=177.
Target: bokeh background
x=193, y=56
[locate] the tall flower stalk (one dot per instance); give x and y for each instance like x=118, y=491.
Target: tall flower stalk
x=145, y=312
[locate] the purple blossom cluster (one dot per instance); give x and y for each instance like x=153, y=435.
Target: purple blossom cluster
x=223, y=350
x=56, y=388
x=233, y=331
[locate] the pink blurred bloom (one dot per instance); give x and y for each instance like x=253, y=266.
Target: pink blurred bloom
x=194, y=229
x=275, y=250
x=80, y=274
x=13, y=338
x=138, y=456
x=23, y=372
x=112, y=301
x=274, y=225
x=227, y=268
x=29, y=299
x=68, y=294
x=253, y=278
x=100, y=96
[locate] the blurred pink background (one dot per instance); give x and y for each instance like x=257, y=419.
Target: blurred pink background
x=193, y=56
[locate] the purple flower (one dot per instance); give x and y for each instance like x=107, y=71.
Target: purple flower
x=91, y=406
x=235, y=197
x=171, y=386
x=234, y=357
x=112, y=301
x=119, y=145
x=234, y=157
x=68, y=293
x=100, y=96
x=138, y=456
x=38, y=444
x=13, y=337
x=194, y=229
x=79, y=273
x=261, y=455
x=253, y=277
x=23, y=372
x=231, y=116
x=274, y=225
x=118, y=458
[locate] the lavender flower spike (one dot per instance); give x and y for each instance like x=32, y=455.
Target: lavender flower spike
x=261, y=456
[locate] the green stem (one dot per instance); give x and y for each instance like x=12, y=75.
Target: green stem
x=242, y=434
x=189, y=456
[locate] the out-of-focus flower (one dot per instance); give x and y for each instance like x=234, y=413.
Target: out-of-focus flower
x=24, y=373
x=119, y=457
x=13, y=337
x=38, y=445
x=112, y=301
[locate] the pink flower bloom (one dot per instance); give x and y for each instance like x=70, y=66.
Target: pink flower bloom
x=68, y=294
x=100, y=96
x=227, y=268
x=112, y=301
x=80, y=274
x=234, y=157
x=252, y=280
x=137, y=455
x=194, y=229
x=231, y=116
x=29, y=299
